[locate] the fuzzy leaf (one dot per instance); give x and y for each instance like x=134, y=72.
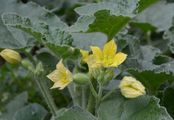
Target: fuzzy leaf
x=141, y=108
x=152, y=80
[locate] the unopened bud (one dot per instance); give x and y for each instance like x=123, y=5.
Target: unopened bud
x=10, y=56
x=81, y=78
x=109, y=74
x=131, y=88
x=39, y=68
x=28, y=65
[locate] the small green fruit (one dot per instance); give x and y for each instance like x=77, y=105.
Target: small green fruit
x=81, y=79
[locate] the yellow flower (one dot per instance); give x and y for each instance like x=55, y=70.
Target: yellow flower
x=10, y=56
x=131, y=88
x=106, y=57
x=61, y=76
x=85, y=55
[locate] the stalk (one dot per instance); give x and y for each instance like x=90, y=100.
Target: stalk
x=41, y=83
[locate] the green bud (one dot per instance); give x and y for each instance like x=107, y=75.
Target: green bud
x=109, y=74
x=39, y=68
x=96, y=73
x=27, y=65
x=81, y=78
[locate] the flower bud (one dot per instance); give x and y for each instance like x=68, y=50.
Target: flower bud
x=108, y=75
x=10, y=56
x=81, y=79
x=131, y=88
x=39, y=69
x=28, y=65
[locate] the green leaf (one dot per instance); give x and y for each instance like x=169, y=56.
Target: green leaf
x=145, y=27
x=167, y=100
x=108, y=24
x=141, y=108
x=161, y=59
x=14, y=105
x=152, y=80
x=143, y=4
x=117, y=8
x=75, y=113
x=82, y=24
x=169, y=36
x=53, y=35
x=31, y=112
x=85, y=40
x=161, y=19
x=13, y=38
x=63, y=51
x=108, y=17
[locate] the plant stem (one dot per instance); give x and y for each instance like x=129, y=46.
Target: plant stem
x=109, y=94
x=93, y=91
x=73, y=94
x=40, y=81
x=30, y=57
x=91, y=103
x=99, y=96
x=84, y=97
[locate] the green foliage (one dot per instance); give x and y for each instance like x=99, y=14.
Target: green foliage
x=75, y=113
x=144, y=4
x=108, y=24
x=142, y=108
x=12, y=38
x=152, y=80
x=31, y=112
x=157, y=19
x=117, y=8
x=142, y=29
x=167, y=100
x=17, y=109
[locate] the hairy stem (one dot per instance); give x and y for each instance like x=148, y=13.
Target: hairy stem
x=40, y=81
x=109, y=94
x=84, y=97
x=73, y=94
x=91, y=103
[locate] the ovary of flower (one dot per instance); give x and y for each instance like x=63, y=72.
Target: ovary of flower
x=131, y=88
x=61, y=76
x=106, y=57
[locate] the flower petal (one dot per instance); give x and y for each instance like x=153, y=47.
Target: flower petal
x=85, y=55
x=118, y=59
x=54, y=76
x=93, y=63
x=131, y=93
x=110, y=49
x=61, y=76
x=60, y=84
x=97, y=53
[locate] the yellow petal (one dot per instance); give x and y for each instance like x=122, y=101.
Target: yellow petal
x=61, y=76
x=130, y=92
x=97, y=53
x=85, y=55
x=109, y=49
x=131, y=88
x=54, y=76
x=60, y=66
x=118, y=59
x=10, y=56
x=60, y=84
x=93, y=63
